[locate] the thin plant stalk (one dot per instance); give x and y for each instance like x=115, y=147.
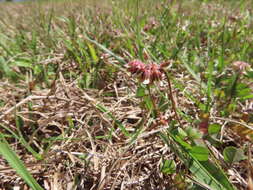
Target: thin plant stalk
x=170, y=94
x=156, y=111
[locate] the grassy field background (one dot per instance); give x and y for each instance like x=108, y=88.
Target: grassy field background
x=131, y=94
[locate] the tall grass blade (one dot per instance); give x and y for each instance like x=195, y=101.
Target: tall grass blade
x=117, y=122
x=120, y=59
x=17, y=164
x=203, y=171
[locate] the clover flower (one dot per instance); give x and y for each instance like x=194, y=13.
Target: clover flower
x=136, y=67
x=148, y=73
x=240, y=66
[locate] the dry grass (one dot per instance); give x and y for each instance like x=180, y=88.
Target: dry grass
x=112, y=163
x=78, y=130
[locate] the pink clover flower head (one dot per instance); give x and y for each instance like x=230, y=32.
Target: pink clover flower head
x=240, y=66
x=148, y=73
x=136, y=66
x=156, y=72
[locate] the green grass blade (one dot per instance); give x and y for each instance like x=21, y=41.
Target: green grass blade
x=117, y=122
x=22, y=141
x=209, y=84
x=120, y=59
x=17, y=164
x=203, y=171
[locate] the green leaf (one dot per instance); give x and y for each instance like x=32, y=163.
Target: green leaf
x=117, y=122
x=7, y=70
x=247, y=97
x=193, y=133
x=204, y=172
x=182, y=142
x=214, y=128
x=163, y=103
x=93, y=53
x=250, y=74
x=22, y=141
x=215, y=142
x=168, y=167
x=181, y=132
x=120, y=59
x=210, y=80
x=200, y=153
x=22, y=63
x=148, y=102
x=194, y=74
x=242, y=90
x=2, y=103
x=140, y=91
x=232, y=154
x=232, y=86
x=209, y=174
x=17, y=164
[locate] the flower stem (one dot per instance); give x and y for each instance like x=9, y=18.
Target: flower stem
x=156, y=111
x=170, y=94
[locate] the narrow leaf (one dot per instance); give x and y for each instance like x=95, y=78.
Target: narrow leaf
x=17, y=164
x=200, y=153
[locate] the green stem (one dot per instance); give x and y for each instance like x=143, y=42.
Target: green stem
x=156, y=111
